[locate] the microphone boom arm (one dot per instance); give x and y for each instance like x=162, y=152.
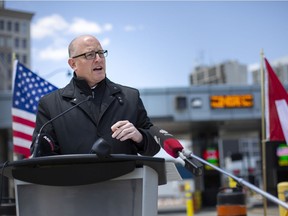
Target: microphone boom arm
x=241, y=181
x=36, y=147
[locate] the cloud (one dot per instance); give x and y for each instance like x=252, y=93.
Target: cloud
x=105, y=42
x=108, y=27
x=48, y=26
x=55, y=25
x=54, y=54
x=57, y=29
x=81, y=26
x=131, y=28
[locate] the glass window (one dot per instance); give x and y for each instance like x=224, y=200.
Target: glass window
x=24, y=28
x=16, y=27
x=24, y=59
x=17, y=56
x=2, y=57
x=9, y=42
x=10, y=75
x=2, y=42
x=24, y=43
x=1, y=24
x=9, y=58
x=16, y=43
x=9, y=26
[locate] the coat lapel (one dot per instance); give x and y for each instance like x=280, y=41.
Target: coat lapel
x=85, y=107
x=75, y=97
x=108, y=97
x=111, y=93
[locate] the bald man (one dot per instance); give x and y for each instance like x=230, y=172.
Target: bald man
x=116, y=113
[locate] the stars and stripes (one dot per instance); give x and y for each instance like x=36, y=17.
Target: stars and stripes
x=27, y=90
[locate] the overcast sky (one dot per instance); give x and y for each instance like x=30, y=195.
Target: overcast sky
x=156, y=44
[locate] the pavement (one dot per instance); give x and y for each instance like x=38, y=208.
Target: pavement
x=254, y=211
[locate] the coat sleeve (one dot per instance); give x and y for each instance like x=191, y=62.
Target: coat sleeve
x=148, y=146
x=42, y=117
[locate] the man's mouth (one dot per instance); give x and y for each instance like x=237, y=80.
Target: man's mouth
x=97, y=68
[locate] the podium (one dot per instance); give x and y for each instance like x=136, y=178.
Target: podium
x=73, y=185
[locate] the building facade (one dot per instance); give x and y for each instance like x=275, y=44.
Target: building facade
x=15, y=43
x=229, y=72
x=280, y=67
x=14, y=40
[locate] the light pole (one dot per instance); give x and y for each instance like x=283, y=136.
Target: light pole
x=49, y=75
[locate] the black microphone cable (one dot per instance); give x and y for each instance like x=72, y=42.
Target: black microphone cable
x=2, y=180
x=36, y=144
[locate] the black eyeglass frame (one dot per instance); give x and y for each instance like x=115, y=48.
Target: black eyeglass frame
x=99, y=52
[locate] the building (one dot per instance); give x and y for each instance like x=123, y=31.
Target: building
x=229, y=72
x=14, y=39
x=223, y=117
x=280, y=67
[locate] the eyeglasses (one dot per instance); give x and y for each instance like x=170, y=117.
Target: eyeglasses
x=92, y=54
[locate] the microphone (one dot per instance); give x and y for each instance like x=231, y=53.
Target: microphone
x=166, y=141
x=37, y=150
x=101, y=148
x=46, y=145
x=173, y=147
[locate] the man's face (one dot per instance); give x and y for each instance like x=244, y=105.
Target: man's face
x=93, y=70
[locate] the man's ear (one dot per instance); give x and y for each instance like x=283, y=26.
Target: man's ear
x=72, y=64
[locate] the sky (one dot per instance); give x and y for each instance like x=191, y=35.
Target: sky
x=155, y=44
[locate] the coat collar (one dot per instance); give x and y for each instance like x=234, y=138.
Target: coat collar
x=71, y=92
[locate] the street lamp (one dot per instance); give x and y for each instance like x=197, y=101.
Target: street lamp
x=48, y=75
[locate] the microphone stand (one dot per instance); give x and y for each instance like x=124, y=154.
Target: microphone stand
x=36, y=145
x=241, y=181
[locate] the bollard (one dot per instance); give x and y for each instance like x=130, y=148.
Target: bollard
x=282, y=188
x=189, y=199
x=231, y=202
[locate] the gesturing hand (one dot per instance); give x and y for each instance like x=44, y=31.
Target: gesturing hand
x=123, y=130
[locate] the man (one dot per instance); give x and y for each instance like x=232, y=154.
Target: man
x=115, y=113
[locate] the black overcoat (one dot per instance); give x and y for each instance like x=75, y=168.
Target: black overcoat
x=76, y=131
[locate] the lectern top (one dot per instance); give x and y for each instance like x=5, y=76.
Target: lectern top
x=67, y=170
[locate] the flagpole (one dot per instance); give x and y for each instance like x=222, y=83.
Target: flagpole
x=263, y=131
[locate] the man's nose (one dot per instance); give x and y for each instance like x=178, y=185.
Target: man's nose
x=97, y=57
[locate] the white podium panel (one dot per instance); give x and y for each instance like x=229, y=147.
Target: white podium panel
x=132, y=194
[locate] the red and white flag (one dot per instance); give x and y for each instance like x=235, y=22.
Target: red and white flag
x=28, y=88
x=276, y=114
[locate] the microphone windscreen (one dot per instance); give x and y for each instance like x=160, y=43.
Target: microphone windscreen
x=172, y=146
x=166, y=140
x=46, y=145
x=101, y=148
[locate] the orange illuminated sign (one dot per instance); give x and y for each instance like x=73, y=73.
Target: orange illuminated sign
x=231, y=101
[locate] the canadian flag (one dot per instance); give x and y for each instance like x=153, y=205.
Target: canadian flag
x=276, y=112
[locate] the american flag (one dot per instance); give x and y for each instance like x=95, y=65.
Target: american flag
x=27, y=90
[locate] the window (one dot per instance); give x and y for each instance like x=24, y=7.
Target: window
x=1, y=24
x=24, y=28
x=2, y=42
x=9, y=26
x=9, y=42
x=16, y=43
x=16, y=27
x=24, y=43
x=9, y=58
x=24, y=58
x=181, y=102
x=2, y=58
